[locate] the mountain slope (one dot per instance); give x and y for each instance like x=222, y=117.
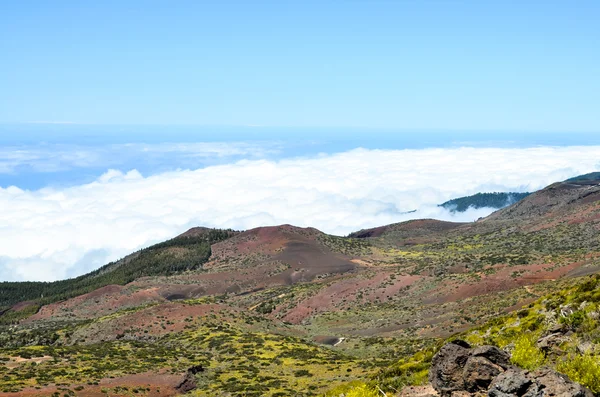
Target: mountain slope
x=560, y=197
x=293, y=294
x=409, y=229
x=185, y=252
x=559, y=330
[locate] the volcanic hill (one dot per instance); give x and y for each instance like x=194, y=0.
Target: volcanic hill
x=283, y=310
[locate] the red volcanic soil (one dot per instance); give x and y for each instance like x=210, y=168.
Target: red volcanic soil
x=578, y=215
x=155, y=321
x=155, y=384
x=411, y=228
x=343, y=293
x=103, y=301
x=266, y=240
x=249, y=261
x=298, y=248
x=504, y=279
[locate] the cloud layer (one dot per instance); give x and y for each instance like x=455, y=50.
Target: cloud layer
x=61, y=157
x=53, y=233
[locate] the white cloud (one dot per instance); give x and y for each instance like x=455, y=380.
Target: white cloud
x=54, y=233
x=61, y=157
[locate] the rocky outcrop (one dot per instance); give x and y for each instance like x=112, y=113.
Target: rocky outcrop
x=457, y=367
x=446, y=373
x=188, y=383
x=551, y=342
x=544, y=382
x=557, y=334
x=418, y=391
x=459, y=370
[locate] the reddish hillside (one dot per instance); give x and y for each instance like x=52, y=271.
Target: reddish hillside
x=253, y=260
x=299, y=249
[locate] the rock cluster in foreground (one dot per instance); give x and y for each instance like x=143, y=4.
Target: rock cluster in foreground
x=460, y=370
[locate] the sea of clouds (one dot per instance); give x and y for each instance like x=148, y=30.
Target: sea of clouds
x=46, y=158
x=53, y=233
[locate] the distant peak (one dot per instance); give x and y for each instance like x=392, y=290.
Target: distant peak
x=284, y=228
x=195, y=232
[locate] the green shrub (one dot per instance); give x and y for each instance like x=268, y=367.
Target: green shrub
x=574, y=320
x=410, y=371
x=584, y=369
x=354, y=389
x=302, y=372
x=526, y=354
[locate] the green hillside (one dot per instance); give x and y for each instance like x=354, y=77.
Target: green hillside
x=170, y=257
x=495, y=200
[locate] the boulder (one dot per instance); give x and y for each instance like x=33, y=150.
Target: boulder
x=513, y=382
x=457, y=368
x=541, y=383
x=586, y=347
x=479, y=373
x=446, y=373
x=493, y=354
x=188, y=383
x=553, y=383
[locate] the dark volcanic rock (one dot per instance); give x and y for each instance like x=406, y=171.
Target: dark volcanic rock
x=188, y=383
x=557, y=328
x=457, y=367
x=493, y=354
x=458, y=370
x=513, y=383
x=541, y=383
x=479, y=373
x=446, y=373
x=557, y=384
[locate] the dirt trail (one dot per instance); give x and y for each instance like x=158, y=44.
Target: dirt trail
x=261, y=302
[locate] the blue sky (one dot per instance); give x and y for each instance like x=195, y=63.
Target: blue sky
x=124, y=123
x=491, y=65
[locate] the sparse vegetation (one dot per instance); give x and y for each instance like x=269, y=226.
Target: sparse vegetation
x=519, y=332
